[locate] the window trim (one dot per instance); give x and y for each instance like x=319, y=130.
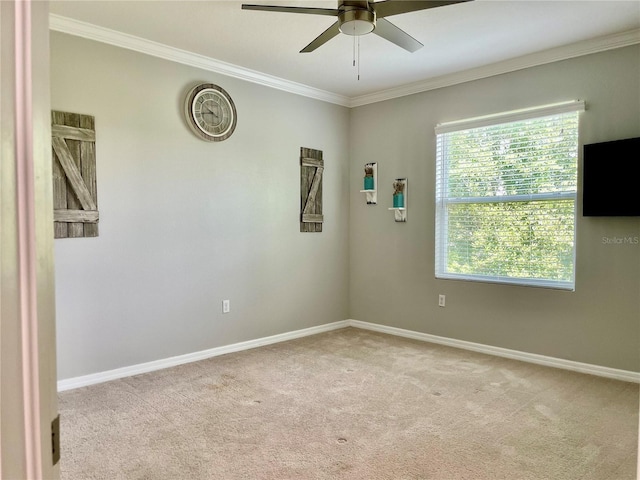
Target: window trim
x=511, y=116
x=441, y=220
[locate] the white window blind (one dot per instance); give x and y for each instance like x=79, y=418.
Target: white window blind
x=506, y=197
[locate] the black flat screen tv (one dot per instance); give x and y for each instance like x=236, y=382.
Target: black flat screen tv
x=611, y=179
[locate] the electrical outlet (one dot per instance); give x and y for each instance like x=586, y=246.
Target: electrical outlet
x=441, y=300
x=226, y=306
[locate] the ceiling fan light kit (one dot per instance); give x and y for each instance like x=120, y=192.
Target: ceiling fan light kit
x=356, y=22
x=360, y=17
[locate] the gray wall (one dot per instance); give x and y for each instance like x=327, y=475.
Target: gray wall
x=392, y=264
x=184, y=223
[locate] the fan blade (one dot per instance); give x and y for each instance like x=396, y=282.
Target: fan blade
x=275, y=8
x=323, y=38
x=387, y=30
x=396, y=7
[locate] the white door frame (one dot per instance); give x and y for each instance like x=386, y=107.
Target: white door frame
x=27, y=309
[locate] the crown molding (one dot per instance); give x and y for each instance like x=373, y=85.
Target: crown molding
x=587, y=47
x=112, y=37
x=89, y=31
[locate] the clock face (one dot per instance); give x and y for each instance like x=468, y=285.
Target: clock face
x=210, y=112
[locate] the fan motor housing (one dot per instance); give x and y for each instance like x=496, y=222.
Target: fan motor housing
x=357, y=22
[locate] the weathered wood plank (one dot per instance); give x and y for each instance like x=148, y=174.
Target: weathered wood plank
x=70, y=169
x=76, y=229
x=74, y=133
x=312, y=218
x=88, y=170
x=84, y=216
x=311, y=162
x=61, y=229
x=305, y=183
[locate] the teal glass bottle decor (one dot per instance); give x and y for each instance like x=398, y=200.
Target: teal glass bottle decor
x=398, y=194
x=368, y=178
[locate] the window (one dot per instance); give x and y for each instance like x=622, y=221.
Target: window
x=506, y=197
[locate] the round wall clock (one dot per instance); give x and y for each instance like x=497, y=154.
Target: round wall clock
x=210, y=112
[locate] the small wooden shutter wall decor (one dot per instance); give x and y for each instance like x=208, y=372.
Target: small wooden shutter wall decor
x=75, y=199
x=311, y=168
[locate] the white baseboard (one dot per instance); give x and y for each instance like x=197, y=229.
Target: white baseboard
x=85, y=380
x=614, y=373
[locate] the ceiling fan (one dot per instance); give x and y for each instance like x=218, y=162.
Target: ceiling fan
x=359, y=17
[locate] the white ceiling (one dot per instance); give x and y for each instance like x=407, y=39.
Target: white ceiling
x=457, y=38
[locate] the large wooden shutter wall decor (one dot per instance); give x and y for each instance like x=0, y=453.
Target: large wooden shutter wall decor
x=311, y=168
x=75, y=199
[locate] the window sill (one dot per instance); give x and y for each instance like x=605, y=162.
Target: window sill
x=522, y=282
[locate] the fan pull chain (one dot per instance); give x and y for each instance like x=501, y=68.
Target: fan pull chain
x=354, y=44
x=354, y=50
x=356, y=54
x=358, y=58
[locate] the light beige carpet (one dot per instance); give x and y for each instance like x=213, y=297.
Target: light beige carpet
x=352, y=404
